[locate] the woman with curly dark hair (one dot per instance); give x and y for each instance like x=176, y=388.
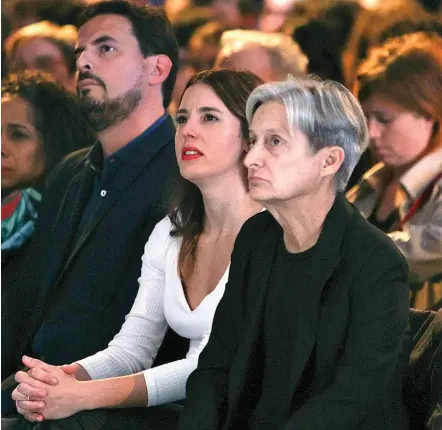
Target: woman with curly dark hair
x=41, y=123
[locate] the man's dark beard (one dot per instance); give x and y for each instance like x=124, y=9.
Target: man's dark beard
x=103, y=114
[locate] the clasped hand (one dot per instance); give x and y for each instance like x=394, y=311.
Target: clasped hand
x=46, y=391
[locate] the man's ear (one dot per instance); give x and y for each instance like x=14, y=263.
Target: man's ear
x=159, y=67
x=332, y=160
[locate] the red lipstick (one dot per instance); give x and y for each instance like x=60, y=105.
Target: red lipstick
x=190, y=153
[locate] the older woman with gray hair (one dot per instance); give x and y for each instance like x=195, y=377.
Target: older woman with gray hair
x=309, y=332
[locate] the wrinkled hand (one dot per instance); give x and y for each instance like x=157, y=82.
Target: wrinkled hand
x=45, y=391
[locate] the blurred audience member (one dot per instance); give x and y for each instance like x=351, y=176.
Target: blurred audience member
x=433, y=6
x=184, y=25
x=400, y=87
x=60, y=12
x=188, y=21
x=47, y=47
x=41, y=123
x=6, y=31
x=324, y=37
x=271, y=56
x=274, y=14
x=323, y=34
x=174, y=7
x=205, y=44
x=227, y=11
x=393, y=18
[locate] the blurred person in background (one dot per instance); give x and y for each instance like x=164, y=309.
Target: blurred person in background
x=393, y=18
x=400, y=88
x=6, y=31
x=185, y=23
x=44, y=46
x=271, y=56
x=274, y=14
x=41, y=123
x=59, y=12
x=204, y=44
x=323, y=37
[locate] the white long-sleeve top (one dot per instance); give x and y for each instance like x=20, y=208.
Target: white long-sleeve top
x=160, y=303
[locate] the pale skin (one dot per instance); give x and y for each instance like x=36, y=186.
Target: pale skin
x=58, y=392
x=295, y=185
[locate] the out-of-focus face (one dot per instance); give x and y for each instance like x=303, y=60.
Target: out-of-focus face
x=44, y=55
x=280, y=164
x=111, y=76
x=23, y=160
x=208, y=141
x=398, y=137
x=255, y=59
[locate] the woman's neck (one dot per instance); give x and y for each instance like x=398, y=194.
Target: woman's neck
x=302, y=218
x=227, y=205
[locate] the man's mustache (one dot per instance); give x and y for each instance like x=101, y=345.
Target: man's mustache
x=88, y=75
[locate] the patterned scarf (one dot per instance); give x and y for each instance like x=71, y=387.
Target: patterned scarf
x=19, y=213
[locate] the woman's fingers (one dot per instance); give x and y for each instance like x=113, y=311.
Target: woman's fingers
x=43, y=375
x=31, y=416
x=30, y=405
x=24, y=390
x=34, y=417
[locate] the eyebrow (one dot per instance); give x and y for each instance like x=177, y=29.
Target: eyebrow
x=15, y=125
x=201, y=109
x=97, y=41
x=281, y=130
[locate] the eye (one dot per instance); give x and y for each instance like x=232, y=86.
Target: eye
x=209, y=117
x=275, y=141
x=18, y=135
x=384, y=120
x=106, y=48
x=180, y=119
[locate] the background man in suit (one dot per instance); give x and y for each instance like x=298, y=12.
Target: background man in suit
x=102, y=203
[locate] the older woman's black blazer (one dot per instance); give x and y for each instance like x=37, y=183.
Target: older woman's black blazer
x=350, y=324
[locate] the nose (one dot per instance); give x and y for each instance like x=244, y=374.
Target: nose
x=189, y=129
x=84, y=63
x=374, y=128
x=253, y=159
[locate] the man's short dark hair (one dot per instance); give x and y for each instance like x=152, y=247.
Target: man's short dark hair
x=152, y=29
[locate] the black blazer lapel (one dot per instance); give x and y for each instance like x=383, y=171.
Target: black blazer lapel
x=81, y=187
x=307, y=312
x=261, y=261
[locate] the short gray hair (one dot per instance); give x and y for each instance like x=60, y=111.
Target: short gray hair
x=324, y=111
x=285, y=54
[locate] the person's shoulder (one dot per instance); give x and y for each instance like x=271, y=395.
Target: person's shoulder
x=366, y=240
x=257, y=225
x=72, y=163
x=164, y=227
x=161, y=238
